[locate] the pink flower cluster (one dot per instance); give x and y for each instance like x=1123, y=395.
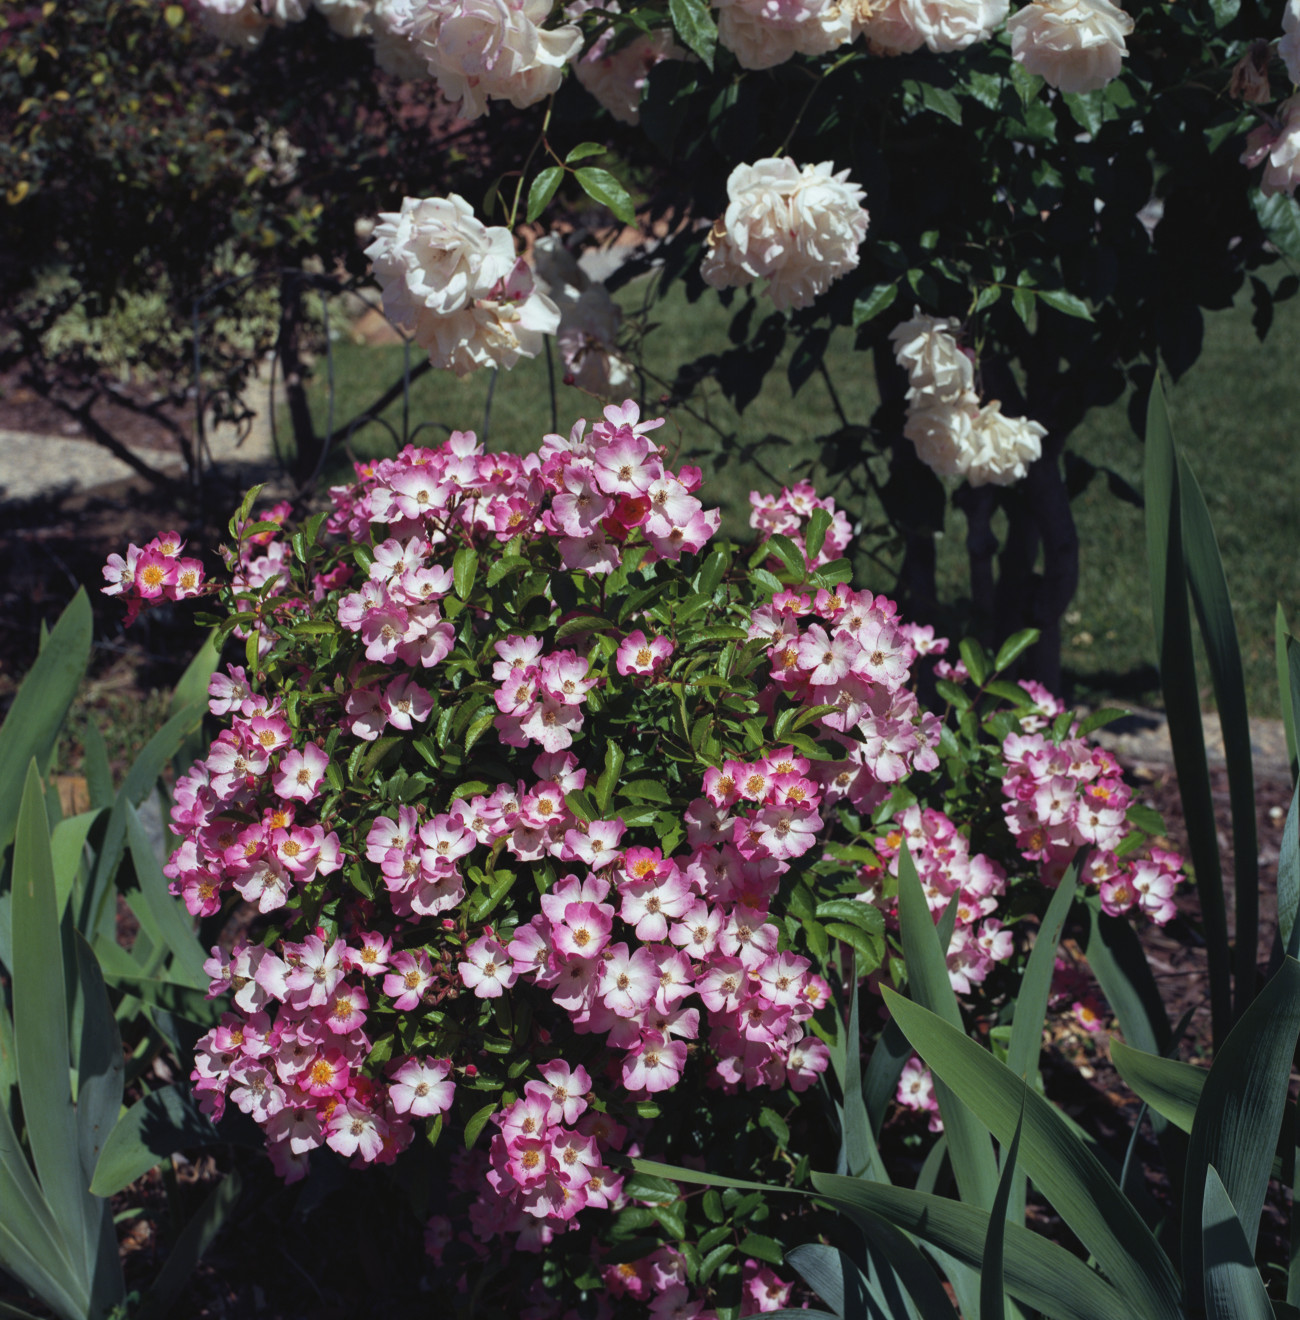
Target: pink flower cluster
x=540, y=697
x=947, y=868
x=298, y=1075
x=1061, y=796
x=157, y=572
x=589, y=492
x=659, y=1283
x=845, y=649
x=789, y=513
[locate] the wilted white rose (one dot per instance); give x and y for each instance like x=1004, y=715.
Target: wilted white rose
x=1277, y=144
x=889, y=26
x=926, y=348
x=616, y=77
x=942, y=431
x=764, y=33
x=235, y=22
x=482, y=50
x=798, y=229
x=1289, y=47
x=948, y=25
x=1076, y=45
x=589, y=320
x=1003, y=447
x=348, y=18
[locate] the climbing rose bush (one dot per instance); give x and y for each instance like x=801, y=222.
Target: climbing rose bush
x=564, y=824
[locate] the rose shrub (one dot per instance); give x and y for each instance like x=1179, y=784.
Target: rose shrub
x=565, y=826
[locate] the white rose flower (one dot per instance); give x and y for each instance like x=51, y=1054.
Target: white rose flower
x=926, y=348
x=396, y=51
x=616, y=78
x=457, y=285
x=948, y=25
x=798, y=229
x=889, y=26
x=1277, y=144
x=1076, y=45
x=942, y=431
x=1289, y=47
x=493, y=331
x=434, y=254
x=347, y=17
x=234, y=22
x=1003, y=447
x=482, y=50
x=764, y=33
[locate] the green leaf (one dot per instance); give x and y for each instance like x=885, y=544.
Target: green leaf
x=1240, y=1113
x=583, y=150
x=869, y=951
x=1100, y=718
x=1286, y=682
x=1173, y=629
x=1233, y=1288
x=1288, y=879
x=67, y=852
x=941, y=101
x=815, y=537
x=645, y=790
x=1014, y=647
x=609, y=777
x=789, y=554
x=41, y=1044
x=977, y=661
x=928, y=984
x=1121, y=968
x=992, y=1299
x=160, y=914
x=652, y=1189
x=1214, y=615
x=1022, y=299
x=194, y=1239
x=1224, y=11
x=100, y=1069
x=873, y=302
x=1036, y=1271
x=1055, y=1158
x=464, y=567
x=1065, y=302
x=850, y=910
x=477, y=1122
x=1172, y=1088
x=762, y=1248
x=192, y=691
x=601, y=186
x=32, y=725
x=696, y=27
x=155, y=1127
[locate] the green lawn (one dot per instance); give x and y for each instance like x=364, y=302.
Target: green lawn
x=1232, y=414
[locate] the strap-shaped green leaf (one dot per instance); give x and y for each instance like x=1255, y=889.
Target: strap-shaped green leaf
x=1239, y=1115
x=159, y=913
x=969, y=1148
x=1288, y=879
x=1121, y=968
x=1281, y=649
x=1233, y=1288
x=40, y=705
x=992, y=1299
x=195, y=1238
x=1173, y=627
x=41, y=1029
x=1035, y=1271
x=1172, y=1088
x=1060, y=1164
x=1209, y=587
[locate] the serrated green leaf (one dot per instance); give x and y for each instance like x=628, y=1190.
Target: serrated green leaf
x=696, y=27
x=542, y=189
x=601, y=186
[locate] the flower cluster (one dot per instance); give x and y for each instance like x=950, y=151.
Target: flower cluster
x=615, y=72
x=897, y=27
x=799, y=229
x=457, y=285
x=155, y=573
x=1063, y=796
x=1074, y=45
x=299, y=1074
x=954, y=435
x=789, y=514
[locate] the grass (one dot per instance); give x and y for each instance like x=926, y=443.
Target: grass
x=1232, y=414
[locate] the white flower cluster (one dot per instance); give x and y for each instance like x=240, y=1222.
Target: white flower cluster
x=589, y=321
x=896, y=27
x=458, y=286
x=1289, y=47
x=493, y=50
x=799, y=229
x=954, y=435
x=1075, y=45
